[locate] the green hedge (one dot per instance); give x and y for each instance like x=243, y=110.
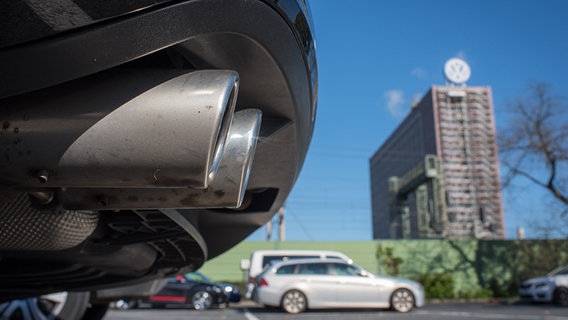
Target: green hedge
x=437, y=285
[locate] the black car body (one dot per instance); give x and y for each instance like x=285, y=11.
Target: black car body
x=189, y=290
x=232, y=291
x=109, y=176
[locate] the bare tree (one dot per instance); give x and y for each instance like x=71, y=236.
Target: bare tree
x=534, y=145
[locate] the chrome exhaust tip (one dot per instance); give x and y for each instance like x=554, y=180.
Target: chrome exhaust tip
x=226, y=188
x=229, y=187
x=162, y=129
x=170, y=136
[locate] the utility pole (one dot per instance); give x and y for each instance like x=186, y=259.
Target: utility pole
x=269, y=230
x=281, y=225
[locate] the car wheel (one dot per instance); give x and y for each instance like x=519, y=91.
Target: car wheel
x=294, y=301
x=402, y=300
x=63, y=306
x=125, y=304
x=561, y=296
x=201, y=300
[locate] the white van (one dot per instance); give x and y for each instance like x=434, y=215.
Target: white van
x=262, y=258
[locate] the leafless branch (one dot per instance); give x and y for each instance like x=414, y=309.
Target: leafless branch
x=535, y=143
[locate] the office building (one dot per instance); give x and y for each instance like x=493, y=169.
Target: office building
x=437, y=175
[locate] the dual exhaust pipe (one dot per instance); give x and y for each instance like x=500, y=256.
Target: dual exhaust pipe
x=132, y=140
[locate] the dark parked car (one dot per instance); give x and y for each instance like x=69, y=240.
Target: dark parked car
x=233, y=293
x=193, y=290
x=128, y=134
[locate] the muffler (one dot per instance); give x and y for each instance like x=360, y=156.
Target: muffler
x=226, y=188
x=129, y=129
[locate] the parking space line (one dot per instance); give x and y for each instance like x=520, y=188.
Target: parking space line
x=249, y=315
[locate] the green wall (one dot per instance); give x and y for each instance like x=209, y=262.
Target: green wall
x=498, y=265
x=227, y=266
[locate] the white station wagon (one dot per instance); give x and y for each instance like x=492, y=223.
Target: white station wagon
x=298, y=285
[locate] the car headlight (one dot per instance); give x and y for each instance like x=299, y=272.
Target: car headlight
x=541, y=284
x=228, y=289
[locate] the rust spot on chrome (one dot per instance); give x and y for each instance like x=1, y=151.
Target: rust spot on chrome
x=189, y=200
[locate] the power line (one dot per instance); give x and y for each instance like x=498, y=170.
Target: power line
x=300, y=224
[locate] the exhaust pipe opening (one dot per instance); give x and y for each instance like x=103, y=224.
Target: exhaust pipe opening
x=235, y=165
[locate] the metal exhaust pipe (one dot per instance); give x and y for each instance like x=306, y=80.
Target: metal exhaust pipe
x=226, y=189
x=136, y=129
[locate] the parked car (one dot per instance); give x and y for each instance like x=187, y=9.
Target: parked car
x=192, y=290
x=232, y=291
x=298, y=285
x=551, y=288
x=136, y=133
x=260, y=259
x=194, y=280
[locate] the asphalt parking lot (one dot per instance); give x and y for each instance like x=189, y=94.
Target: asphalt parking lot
x=432, y=311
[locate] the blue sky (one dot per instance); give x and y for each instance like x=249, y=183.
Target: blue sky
x=376, y=57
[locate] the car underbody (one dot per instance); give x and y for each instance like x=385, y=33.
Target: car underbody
x=140, y=143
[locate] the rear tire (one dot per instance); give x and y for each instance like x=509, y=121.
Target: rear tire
x=294, y=301
x=61, y=306
x=402, y=300
x=561, y=296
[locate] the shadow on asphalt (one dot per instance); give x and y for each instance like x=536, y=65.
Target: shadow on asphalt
x=257, y=308
x=260, y=309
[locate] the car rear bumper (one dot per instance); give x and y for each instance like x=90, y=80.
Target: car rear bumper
x=267, y=296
